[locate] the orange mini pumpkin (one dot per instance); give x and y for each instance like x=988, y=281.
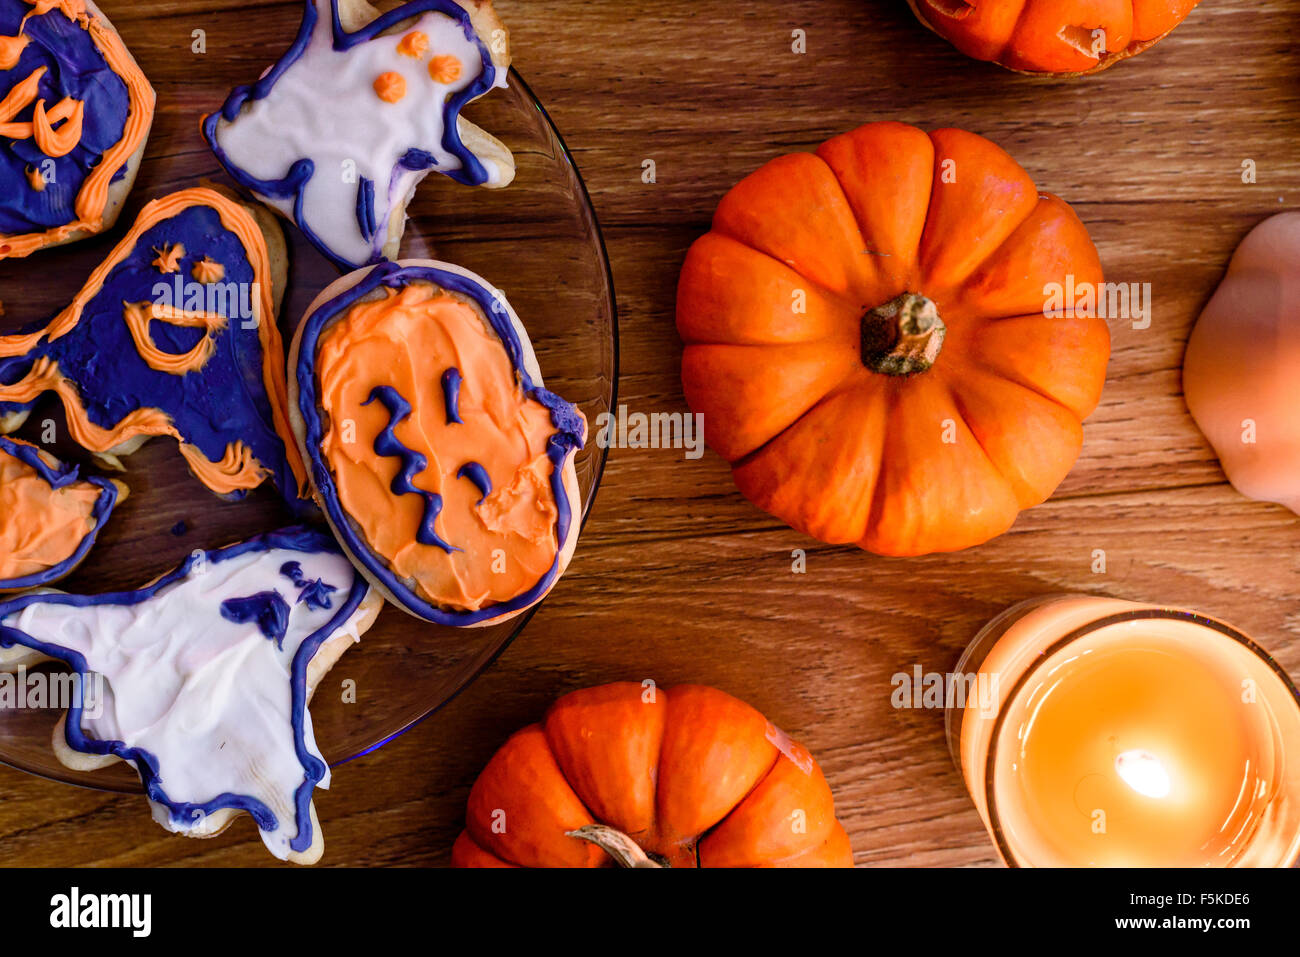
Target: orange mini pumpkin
x=894, y=341
x=648, y=777
x=1052, y=36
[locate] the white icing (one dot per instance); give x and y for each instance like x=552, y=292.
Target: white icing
x=324, y=107
x=209, y=698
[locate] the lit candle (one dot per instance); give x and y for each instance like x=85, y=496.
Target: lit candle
x=1129, y=735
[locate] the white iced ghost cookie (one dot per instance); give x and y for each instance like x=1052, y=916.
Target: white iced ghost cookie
x=339, y=132
x=201, y=680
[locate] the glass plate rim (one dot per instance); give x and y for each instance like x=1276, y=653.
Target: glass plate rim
x=585, y=195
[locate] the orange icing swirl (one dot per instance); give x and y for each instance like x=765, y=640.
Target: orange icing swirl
x=138, y=315
x=11, y=49
x=36, y=179
x=406, y=340
x=58, y=142
x=236, y=471
x=18, y=99
x=390, y=87
x=444, y=68
x=40, y=527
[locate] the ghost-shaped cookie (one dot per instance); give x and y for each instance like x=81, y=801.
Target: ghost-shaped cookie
x=174, y=334
x=339, y=132
x=201, y=680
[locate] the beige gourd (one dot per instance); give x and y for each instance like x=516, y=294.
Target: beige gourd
x=1241, y=372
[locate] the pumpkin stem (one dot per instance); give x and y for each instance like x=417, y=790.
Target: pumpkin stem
x=902, y=337
x=616, y=844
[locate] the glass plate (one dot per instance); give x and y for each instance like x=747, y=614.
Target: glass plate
x=537, y=239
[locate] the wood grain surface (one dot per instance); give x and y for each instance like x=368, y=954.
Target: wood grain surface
x=677, y=577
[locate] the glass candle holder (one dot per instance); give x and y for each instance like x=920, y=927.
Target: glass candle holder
x=1109, y=733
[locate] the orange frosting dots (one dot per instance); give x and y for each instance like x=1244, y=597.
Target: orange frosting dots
x=414, y=44
x=169, y=258
x=208, y=271
x=406, y=340
x=40, y=527
x=444, y=68
x=390, y=87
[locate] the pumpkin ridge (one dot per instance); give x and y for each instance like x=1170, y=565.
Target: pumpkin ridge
x=849, y=305
x=960, y=286
x=818, y=366
x=744, y=797
x=980, y=368
x=912, y=254
x=689, y=330
x=956, y=283
x=957, y=403
x=961, y=405
x=878, y=493
x=721, y=229
x=693, y=843
x=973, y=362
x=640, y=836
x=846, y=385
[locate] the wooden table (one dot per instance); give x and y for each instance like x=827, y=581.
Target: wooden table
x=677, y=577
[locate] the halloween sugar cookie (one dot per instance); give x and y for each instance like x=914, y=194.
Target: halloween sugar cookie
x=173, y=335
x=443, y=465
x=201, y=680
x=337, y=134
x=49, y=516
x=75, y=112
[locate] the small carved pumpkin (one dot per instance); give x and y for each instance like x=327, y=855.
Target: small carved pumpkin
x=648, y=777
x=1240, y=369
x=885, y=341
x=1052, y=36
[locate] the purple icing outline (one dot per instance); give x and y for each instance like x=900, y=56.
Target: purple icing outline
x=293, y=184
x=60, y=476
x=295, y=538
x=565, y=417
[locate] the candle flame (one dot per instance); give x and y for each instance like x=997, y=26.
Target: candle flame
x=1143, y=772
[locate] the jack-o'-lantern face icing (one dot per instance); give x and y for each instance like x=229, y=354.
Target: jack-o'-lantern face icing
x=145, y=350
x=438, y=458
x=74, y=109
x=49, y=516
x=337, y=135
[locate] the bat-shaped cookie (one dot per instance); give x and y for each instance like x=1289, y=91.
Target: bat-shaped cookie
x=75, y=113
x=174, y=335
x=49, y=516
x=201, y=680
x=442, y=463
x=337, y=134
